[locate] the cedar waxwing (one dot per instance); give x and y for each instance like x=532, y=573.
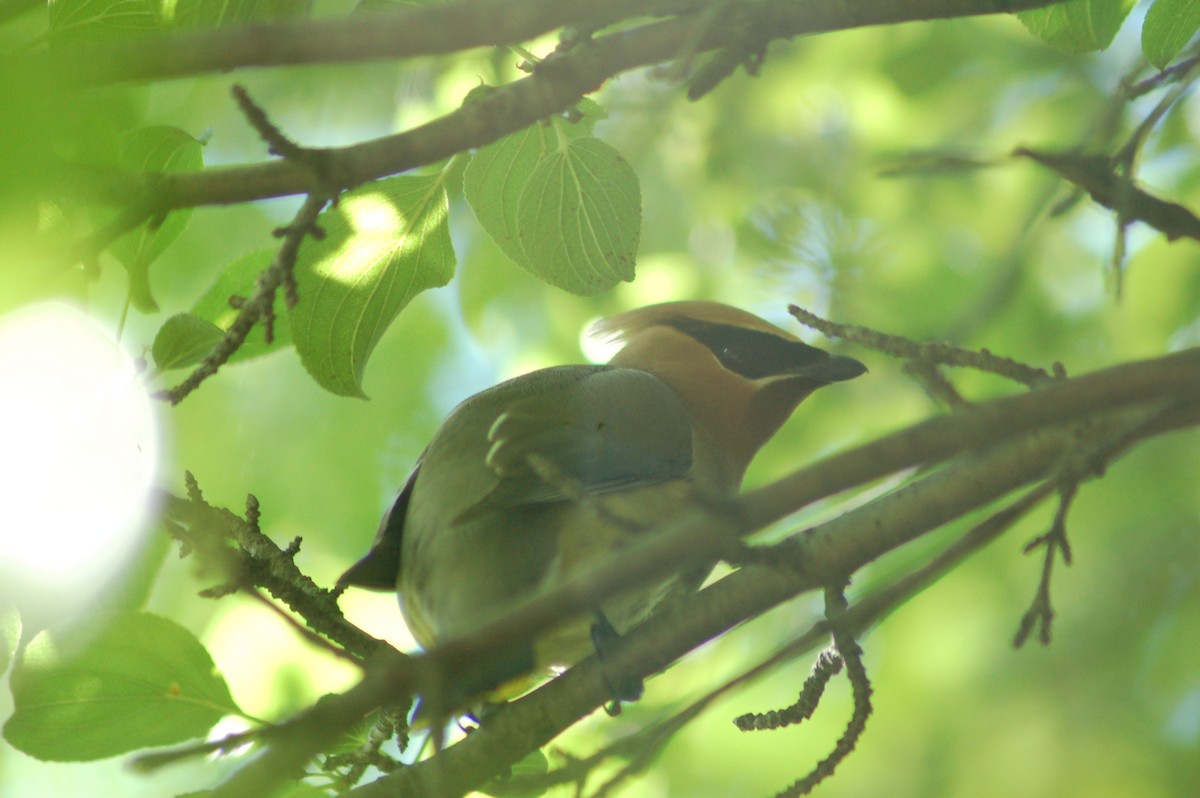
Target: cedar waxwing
x=696, y=390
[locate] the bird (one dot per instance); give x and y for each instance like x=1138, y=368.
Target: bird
x=533, y=479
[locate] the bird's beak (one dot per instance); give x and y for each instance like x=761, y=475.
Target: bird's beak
x=837, y=368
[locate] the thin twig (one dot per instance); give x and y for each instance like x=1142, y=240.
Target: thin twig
x=157, y=759
x=943, y=354
x=936, y=385
x=864, y=613
x=308, y=634
x=848, y=649
x=1055, y=542
x=277, y=142
x=829, y=664
x=1128, y=152
x=1174, y=72
x=260, y=304
x=270, y=567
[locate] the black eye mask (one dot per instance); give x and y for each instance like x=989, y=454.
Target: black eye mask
x=751, y=353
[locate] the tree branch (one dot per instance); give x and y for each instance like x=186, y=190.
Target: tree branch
x=645, y=743
x=1013, y=441
x=408, y=32
x=556, y=85
x=273, y=569
x=452, y=28
x=532, y=721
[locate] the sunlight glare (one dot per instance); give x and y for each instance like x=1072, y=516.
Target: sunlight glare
x=376, y=226
x=597, y=348
x=78, y=452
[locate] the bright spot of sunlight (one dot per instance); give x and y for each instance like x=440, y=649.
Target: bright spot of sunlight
x=271, y=670
x=78, y=451
x=378, y=614
x=596, y=348
x=377, y=231
x=370, y=213
x=661, y=278
x=229, y=726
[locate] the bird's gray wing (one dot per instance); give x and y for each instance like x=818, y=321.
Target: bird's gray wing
x=599, y=429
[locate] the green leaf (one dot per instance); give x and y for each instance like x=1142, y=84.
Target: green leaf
x=239, y=280
x=580, y=218
x=154, y=149
x=1169, y=26
x=1077, y=26
x=183, y=341
x=144, y=681
x=384, y=243
x=10, y=633
x=96, y=20
x=497, y=176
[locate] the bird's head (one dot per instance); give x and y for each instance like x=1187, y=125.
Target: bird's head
x=739, y=377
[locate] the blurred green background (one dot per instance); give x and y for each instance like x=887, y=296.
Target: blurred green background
x=770, y=191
